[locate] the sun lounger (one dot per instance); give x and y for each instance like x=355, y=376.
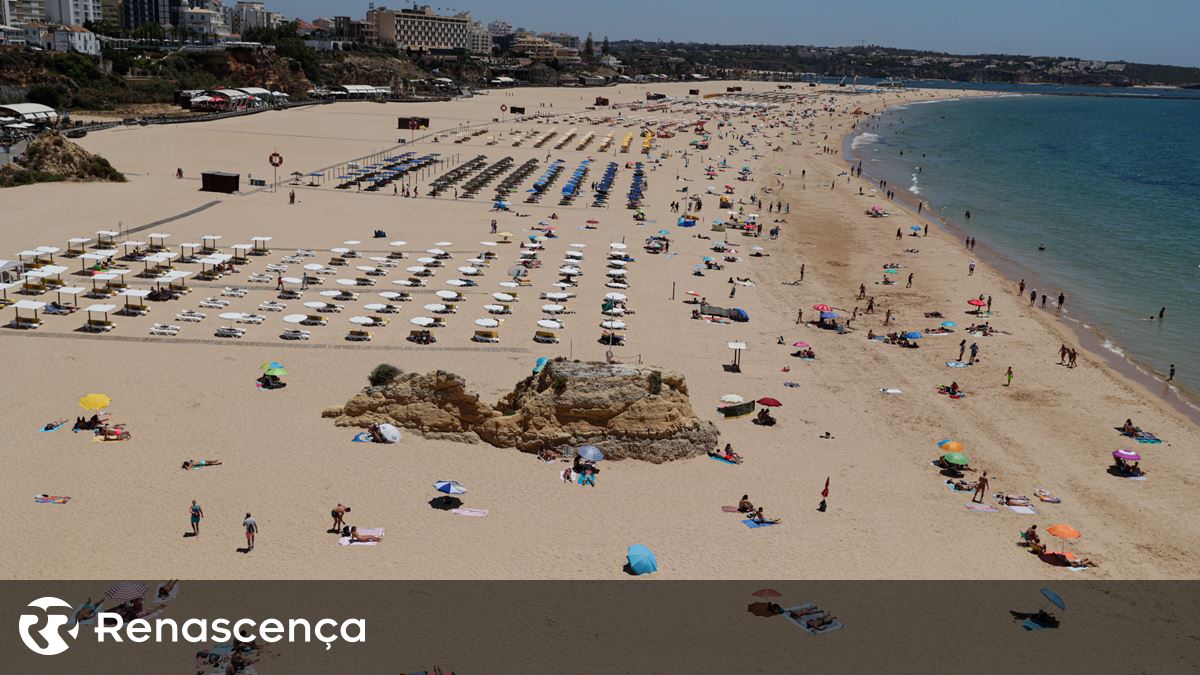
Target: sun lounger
x=368, y=531
x=545, y=337
x=164, y=329
x=486, y=336
x=271, y=306
x=295, y=335
x=359, y=336
x=314, y=320
x=25, y=322
x=98, y=326
x=233, y=292
x=229, y=331
x=191, y=317
x=331, y=309
x=214, y=303
x=253, y=319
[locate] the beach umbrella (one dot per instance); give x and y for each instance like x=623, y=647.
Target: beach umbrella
x=125, y=591
x=390, y=295
x=976, y=302
x=732, y=398
x=232, y=316
x=271, y=364
x=438, y=243
x=769, y=402
x=823, y=308
x=590, y=453
x=913, y=335
x=1127, y=455
x=915, y=228
x=553, y=309
x=891, y=271
x=1055, y=598
x=950, y=446
x=503, y=297
x=618, y=246
x=615, y=273
x=800, y=344
x=508, y=284
x=548, y=323
x=375, y=306
x=294, y=318
x=340, y=249
x=767, y=593
x=361, y=320
x=422, y=321
x=641, y=560
x=352, y=242
x=331, y=294
x=948, y=324
x=95, y=401
x=505, y=235
x=397, y=243
x=277, y=372
x=1064, y=532
x=450, y=487
x=315, y=304
x=615, y=296
x=829, y=315
x=957, y=458
x=435, y=307
x=494, y=309
x=456, y=282
x=487, y=323
x=613, y=325
x=347, y=282
x=447, y=295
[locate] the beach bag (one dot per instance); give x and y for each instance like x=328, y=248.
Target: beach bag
x=345, y=530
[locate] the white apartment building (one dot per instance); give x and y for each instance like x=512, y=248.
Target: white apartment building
x=245, y=16
x=20, y=12
x=420, y=28
x=72, y=12
x=202, y=21
x=500, y=28
x=479, y=40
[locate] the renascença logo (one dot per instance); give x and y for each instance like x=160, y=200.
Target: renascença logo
x=111, y=626
x=51, y=635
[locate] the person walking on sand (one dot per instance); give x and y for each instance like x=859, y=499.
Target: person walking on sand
x=1008, y=376
x=989, y=305
x=197, y=514
x=888, y=318
x=971, y=269
x=962, y=348
x=1062, y=299
x=1032, y=297
x=1062, y=355
x=801, y=271
x=910, y=278
x=339, y=514
x=981, y=486
x=974, y=352
x=1071, y=356
x=1043, y=301
x=1021, y=288
x=291, y=196
x=279, y=281
x=862, y=291
x=899, y=235
x=871, y=305
x=251, y=530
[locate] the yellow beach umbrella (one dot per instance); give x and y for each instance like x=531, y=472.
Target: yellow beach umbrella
x=95, y=402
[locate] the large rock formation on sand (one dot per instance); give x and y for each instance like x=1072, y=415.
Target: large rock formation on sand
x=629, y=412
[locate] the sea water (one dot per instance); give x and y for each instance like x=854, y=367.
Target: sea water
x=1109, y=186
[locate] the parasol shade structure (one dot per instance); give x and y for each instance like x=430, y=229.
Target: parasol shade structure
x=769, y=402
x=95, y=402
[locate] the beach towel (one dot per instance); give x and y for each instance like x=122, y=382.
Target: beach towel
x=50, y=499
x=1046, y=497
x=1135, y=477
x=791, y=384
x=806, y=611
x=958, y=364
x=730, y=509
x=51, y=430
x=891, y=390
x=722, y=460
x=753, y=525
x=375, y=531
x=954, y=488
x=477, y=513
x=981, y=508
x=1023, y=510
x=362, y=437
x=1030, y=624
x=1140, y=436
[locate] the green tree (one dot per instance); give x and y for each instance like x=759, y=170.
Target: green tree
x=604, y=47
x=45, y=94
x=589, y=47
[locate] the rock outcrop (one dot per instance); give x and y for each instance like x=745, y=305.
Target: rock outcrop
x=628, y=412
x=51, y=157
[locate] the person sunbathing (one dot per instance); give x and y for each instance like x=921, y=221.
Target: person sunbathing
x=164, y=591
x=199, y=463
x=117, y=432
x=355, y=537
x=821, y=623
x=761, y=518
x=1012, y=500
x=744, y=505
x=963, y=485
x=51, y=426
x=727, y=454
x=87, y=611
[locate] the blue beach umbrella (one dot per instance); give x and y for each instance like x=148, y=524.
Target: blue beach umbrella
x=916, y=228
x=450, y=487
x=829, y=315
x=590, y=453
x=663, y=232
x=641, y=560
x=948, y=324
x=1050, y=595
x=913, y=335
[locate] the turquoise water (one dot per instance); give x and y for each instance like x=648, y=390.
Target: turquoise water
x=1110, y=186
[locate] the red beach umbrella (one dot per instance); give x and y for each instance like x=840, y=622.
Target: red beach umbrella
x=976, y=302
x=767, y=593
x=769, y=402
x=823, y=308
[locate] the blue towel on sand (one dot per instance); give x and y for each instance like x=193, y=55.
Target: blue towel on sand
x=753, y=525
x=362, y=437
x=1030, y=624
x=47, y=431
x=722, y=460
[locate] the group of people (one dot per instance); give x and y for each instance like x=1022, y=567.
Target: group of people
x=727, y=454
x=747, y=508
x=100, y=427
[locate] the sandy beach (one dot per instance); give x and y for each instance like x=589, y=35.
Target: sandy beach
x=890, y=515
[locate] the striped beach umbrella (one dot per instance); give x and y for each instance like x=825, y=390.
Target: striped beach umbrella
x=590, y=453
x=126, y=590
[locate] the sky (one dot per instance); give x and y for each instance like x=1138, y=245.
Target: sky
x=1149, y=31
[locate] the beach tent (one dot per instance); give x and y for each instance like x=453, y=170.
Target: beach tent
x=641, y=560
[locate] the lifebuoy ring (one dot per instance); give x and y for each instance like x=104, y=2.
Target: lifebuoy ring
x=276, y=159
x=503, y=108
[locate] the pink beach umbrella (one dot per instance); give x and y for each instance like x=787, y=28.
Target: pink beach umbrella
x=1127, y=455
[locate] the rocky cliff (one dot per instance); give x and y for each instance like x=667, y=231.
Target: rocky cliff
x=50, y=158
x=628, y=412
